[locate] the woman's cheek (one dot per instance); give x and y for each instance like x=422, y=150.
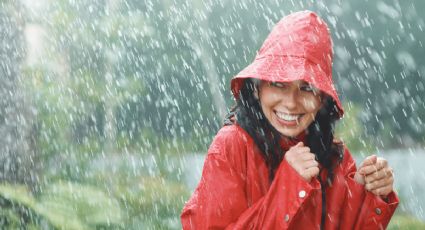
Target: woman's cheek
x=311, y=104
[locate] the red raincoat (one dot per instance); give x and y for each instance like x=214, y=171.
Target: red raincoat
x=235, y=191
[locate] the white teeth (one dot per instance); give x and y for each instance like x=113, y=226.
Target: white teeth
x=287, y=117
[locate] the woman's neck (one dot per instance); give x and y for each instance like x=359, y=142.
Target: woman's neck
x=288, y=142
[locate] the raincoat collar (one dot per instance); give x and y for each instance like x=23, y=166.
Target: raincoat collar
x=287, y=142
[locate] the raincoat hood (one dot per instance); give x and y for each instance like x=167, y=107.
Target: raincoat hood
x=298, y=48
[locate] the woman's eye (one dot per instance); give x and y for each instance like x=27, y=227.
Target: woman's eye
x=278, y=84
x=308, y=88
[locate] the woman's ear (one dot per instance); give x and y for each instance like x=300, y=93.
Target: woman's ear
x=256, y=93
x=256, y=86
x=323, y=97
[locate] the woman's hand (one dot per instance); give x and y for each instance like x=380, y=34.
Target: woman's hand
x=376, y=175
x=303, y=161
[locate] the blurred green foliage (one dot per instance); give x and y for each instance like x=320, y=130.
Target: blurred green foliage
x=405, y=222
x=152, y=202
x=352, y=133
x=61, y=206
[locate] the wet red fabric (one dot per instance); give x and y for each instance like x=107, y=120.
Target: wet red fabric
x=235, y=193
x=298, y=48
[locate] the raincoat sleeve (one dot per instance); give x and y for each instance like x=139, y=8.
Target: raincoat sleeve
x=220, y=200
x=363, y=209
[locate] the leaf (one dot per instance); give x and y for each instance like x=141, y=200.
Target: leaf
x=20, y=196
x=17, y=194
x=87, y=203
x=65, y=205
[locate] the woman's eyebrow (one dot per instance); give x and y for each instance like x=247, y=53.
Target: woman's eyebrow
x=304, y=84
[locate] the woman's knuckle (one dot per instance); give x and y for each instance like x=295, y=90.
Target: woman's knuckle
x=384, y=162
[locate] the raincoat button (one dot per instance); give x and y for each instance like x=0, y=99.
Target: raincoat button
x=286, y=218
x=301, y=194
x=378, y=211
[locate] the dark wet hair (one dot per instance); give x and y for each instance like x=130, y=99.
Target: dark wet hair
x=320, y=138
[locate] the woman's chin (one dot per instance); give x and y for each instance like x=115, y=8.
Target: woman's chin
x=291, y=133
x=287, y=130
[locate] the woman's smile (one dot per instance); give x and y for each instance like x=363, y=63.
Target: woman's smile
x=288, y=119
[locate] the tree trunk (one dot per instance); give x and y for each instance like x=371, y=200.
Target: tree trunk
x=200, y=44
x=110, y=127
x=213, y=79
x=17, y=163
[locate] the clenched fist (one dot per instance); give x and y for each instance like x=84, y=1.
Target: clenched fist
x=376, y=175
x=303, y=161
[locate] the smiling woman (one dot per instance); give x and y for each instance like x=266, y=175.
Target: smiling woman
x=276, y=164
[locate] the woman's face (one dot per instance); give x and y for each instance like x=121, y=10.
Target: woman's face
x=289, y=107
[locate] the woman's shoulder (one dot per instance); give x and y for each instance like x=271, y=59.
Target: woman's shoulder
x=232, y=132
x=229, y=136
x=342, y=147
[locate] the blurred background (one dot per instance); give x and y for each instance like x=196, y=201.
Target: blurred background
x=108, y=106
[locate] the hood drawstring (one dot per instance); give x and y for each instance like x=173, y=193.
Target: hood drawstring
x=323, y=188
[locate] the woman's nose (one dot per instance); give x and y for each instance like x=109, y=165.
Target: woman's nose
x=289, y=100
